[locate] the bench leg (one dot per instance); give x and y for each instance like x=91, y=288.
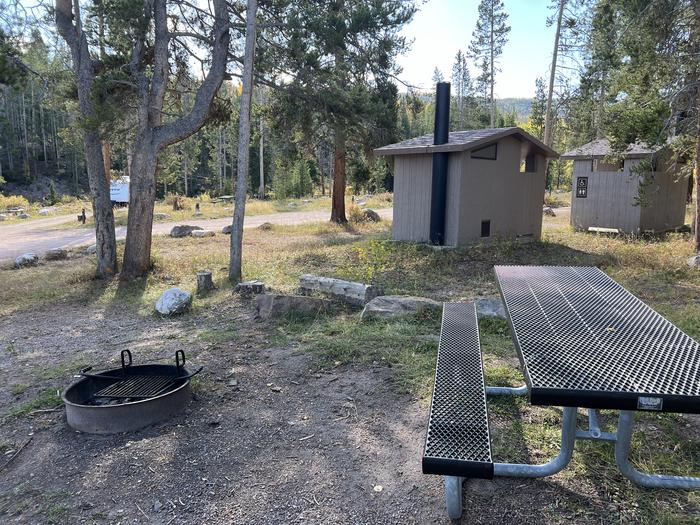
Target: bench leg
x=506, y=390
x=453, y=496
x=568, y=436
x=622, y=449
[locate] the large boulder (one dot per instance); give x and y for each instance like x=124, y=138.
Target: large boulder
x=371, y=215
x=202, y=233
x=23, y=215
x=386, y=306
x=173, y=301
x=56, y=254
x=490, y=307
x=26, y=259
x=694, y=261
x=272, y=306
x=183, y=230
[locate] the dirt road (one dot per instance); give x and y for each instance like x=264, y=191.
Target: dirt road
x=41, y=235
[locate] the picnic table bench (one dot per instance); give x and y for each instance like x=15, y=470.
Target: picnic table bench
x=583, y=342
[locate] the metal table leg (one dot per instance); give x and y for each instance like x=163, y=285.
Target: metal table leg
x=453, y=496
x=568, y=436
x=622, y=448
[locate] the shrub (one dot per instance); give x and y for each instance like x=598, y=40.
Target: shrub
x=355, y=214
x=13, y=201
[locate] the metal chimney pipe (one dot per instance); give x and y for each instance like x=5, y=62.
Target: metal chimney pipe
x=441, y=135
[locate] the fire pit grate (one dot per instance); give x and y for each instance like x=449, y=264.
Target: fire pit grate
x=137, y=387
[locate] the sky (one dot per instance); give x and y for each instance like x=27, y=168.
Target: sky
x=441, y=27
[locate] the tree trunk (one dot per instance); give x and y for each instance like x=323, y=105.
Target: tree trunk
x=493, y=78
x=185, y=167
x=338, y=197
x=548, y=132
x=696, y=230
x=142, y=194
x=106, y=242
x=107, y=158
x=261, y=188
x=235, y=272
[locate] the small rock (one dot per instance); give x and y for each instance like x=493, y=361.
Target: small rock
x=157, y=506
x=371, y=215
x=161, y=216
x=694, y=261
x=386, y=306
x=547, y=210
x=183, y=230
x=226, y=230
x=23, y=215
x=26, y=259
x=266, y=226
x=378, y=488
x=56, y=254
x=361, y=203
x=490, y=307
x=44, y=211
x=92, y=249
x=3, y=217
x=173, y=301
x=271, y=306
x=202, y=233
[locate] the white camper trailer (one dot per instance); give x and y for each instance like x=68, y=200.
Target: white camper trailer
x=119, y=191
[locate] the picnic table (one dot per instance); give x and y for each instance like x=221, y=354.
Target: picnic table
x=583, y=341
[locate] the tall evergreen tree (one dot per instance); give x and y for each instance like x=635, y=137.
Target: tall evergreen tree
x=462, y=87
x=437, y=76
x=488, y=39
x=332, y=61
x=538, y=109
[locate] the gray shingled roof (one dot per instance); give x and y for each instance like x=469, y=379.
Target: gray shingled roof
x=461, y=141
x=601, y=148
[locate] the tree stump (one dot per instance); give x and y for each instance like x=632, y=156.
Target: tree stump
x=204, y=282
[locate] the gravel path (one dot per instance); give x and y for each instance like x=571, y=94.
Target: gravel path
x=41, y=235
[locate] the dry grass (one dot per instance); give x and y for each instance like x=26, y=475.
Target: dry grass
x=217, y=210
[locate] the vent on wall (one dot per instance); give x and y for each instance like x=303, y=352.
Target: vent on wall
x=486, y=228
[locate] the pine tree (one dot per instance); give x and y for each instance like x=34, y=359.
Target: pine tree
x=488, y=39
x=437, y=76
x=462, y=87
x=538, y=109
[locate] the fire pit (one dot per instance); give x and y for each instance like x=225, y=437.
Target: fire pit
x=127, y=398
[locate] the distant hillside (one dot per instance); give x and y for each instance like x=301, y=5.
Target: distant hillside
x=520, y=105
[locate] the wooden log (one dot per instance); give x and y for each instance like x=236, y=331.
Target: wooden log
x=250, y=287
x=351, y=292
x=204, y=282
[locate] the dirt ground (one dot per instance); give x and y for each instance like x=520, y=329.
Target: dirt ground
x=268, y=437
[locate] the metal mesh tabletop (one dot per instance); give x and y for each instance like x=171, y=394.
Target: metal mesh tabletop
x=584, y=340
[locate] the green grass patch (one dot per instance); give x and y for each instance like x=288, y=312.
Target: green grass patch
x=217, y=336
x=48, y=398
x=406, y=343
